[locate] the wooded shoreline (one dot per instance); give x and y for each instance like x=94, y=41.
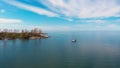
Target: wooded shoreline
x=35, y=33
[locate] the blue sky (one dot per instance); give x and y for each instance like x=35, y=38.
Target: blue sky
x=60, y=14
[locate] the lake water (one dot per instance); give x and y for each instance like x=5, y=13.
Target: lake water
x=92, y=50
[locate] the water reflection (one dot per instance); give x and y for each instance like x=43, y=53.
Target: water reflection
x=92, y=50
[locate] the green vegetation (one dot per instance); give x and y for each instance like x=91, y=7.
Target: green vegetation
x=23, y=34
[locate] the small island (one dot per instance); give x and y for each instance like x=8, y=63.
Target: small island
x=7, y=34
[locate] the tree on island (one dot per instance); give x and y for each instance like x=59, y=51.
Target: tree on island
x=23, y=34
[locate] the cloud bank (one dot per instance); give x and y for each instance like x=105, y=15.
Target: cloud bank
x=34, y=9
x=87, y=11
x=73, y=8
x=9, y=21
x=84, y=8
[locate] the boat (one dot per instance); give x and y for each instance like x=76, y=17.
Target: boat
x=74, y=41
x=73, y=38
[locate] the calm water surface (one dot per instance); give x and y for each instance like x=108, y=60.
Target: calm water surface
x=92, y=50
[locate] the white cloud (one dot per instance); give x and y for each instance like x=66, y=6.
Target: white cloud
x=51, y=28
x=94, y=21
x=73, y=8
x=29, y=27
x=9, y=21
x=84, y=8
x=69, y=19
x=37, y=10
x=98, y=21
x=80, y=27
x=112, y=26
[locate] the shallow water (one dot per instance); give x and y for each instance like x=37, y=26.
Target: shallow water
x=92, y=50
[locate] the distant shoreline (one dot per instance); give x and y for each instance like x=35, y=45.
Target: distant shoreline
x=36, y=33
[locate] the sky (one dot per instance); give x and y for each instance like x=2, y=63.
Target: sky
x=65, y=15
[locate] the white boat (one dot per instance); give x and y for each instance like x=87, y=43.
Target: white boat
x=74, y=41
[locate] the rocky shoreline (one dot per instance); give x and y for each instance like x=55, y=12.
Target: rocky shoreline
x=23, y=34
